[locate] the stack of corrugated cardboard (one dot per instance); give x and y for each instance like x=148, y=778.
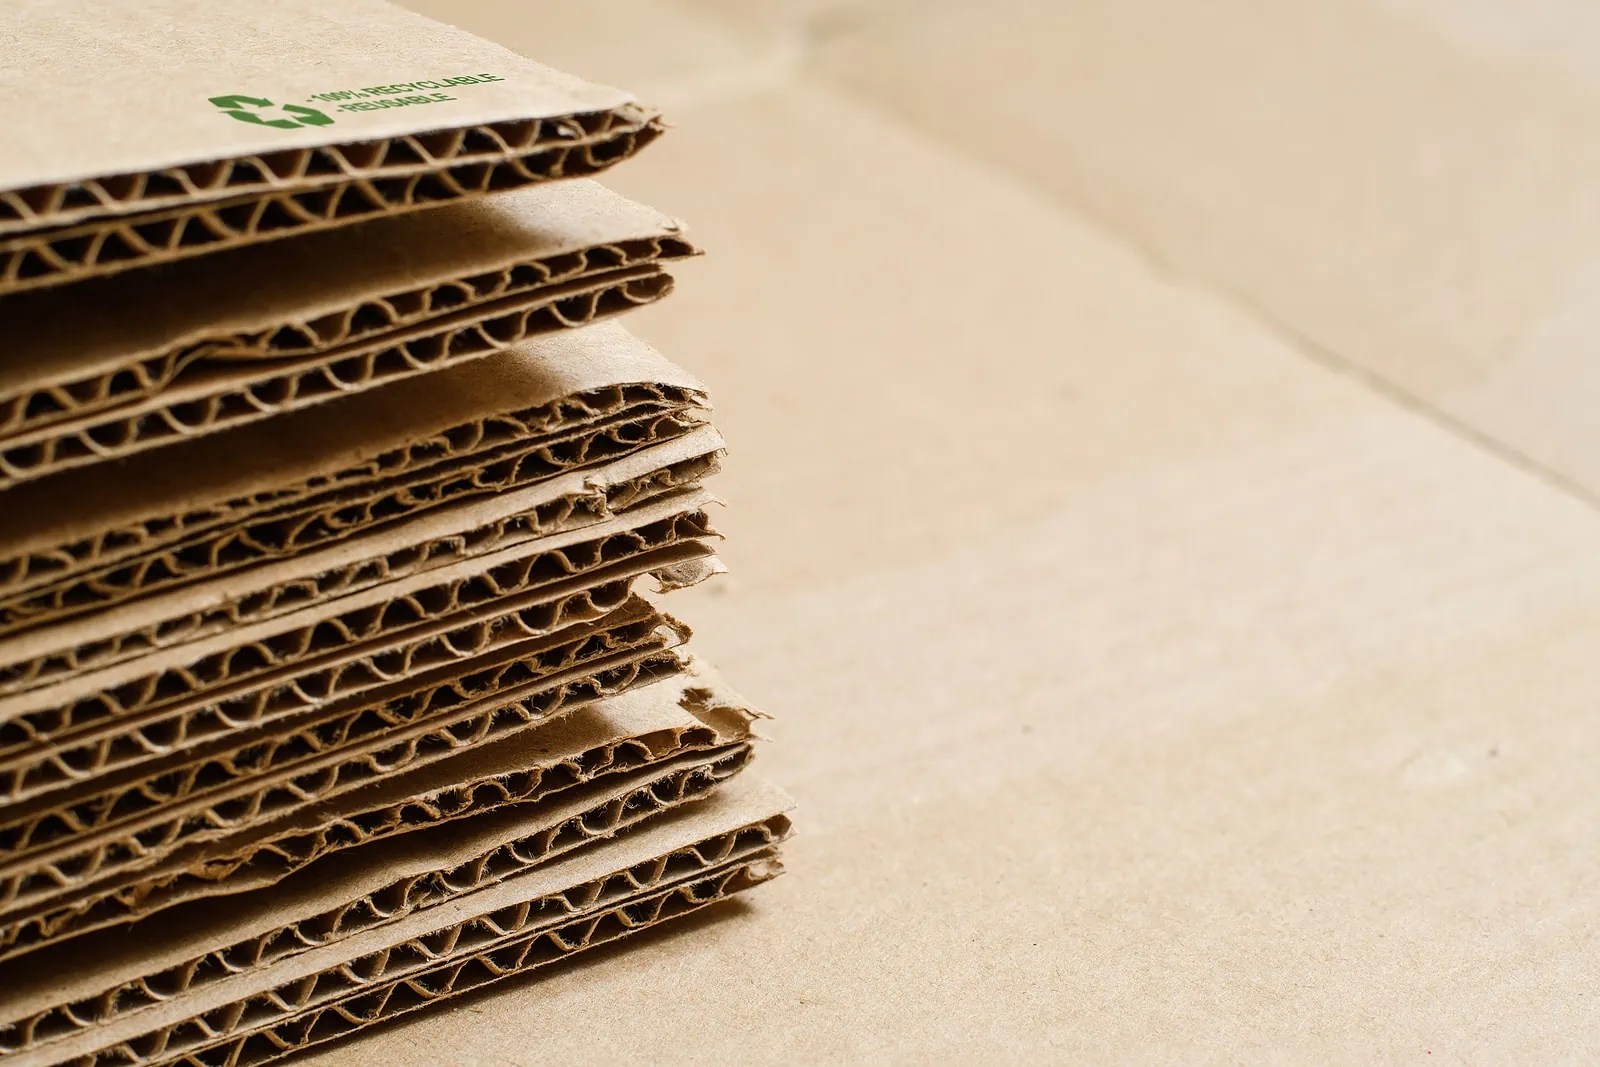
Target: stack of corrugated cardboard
x=327, y=684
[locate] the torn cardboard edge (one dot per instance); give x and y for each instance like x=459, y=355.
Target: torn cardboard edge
x=243, y=758
x=264, y=655
x=87, y=740
x=146, y=143
x=739, y=827
x=557, y=578
x=608, y=766
x=155, y=630
x=671, y=780
x=373, y=1006
x=233, y=669
x=493, y=456
x=571, y=885
x=634, y=801
x=118, y=900
x=241, y=471
x=131, y=820
x=371, y=1002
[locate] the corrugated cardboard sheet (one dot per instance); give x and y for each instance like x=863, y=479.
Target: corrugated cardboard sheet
x=289, y=118
x=114, y=369
x=326, y=692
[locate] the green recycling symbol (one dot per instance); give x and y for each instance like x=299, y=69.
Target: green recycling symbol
x=303, y=116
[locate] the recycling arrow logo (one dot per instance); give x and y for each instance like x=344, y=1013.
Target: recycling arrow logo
x=236, y=106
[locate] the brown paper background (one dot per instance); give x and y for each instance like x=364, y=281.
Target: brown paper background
x=1171, y=664
x=1151, y=690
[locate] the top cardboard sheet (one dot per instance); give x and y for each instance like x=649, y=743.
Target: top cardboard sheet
x=137, y=111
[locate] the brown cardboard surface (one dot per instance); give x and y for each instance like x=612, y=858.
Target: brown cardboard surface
x=1405, y=185
x=269, y=330
x=1248, y=715
x=105, y=534
x=92, y=174
x=569, y=782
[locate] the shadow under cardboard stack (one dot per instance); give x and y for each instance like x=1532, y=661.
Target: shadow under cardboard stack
x=331, y=679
